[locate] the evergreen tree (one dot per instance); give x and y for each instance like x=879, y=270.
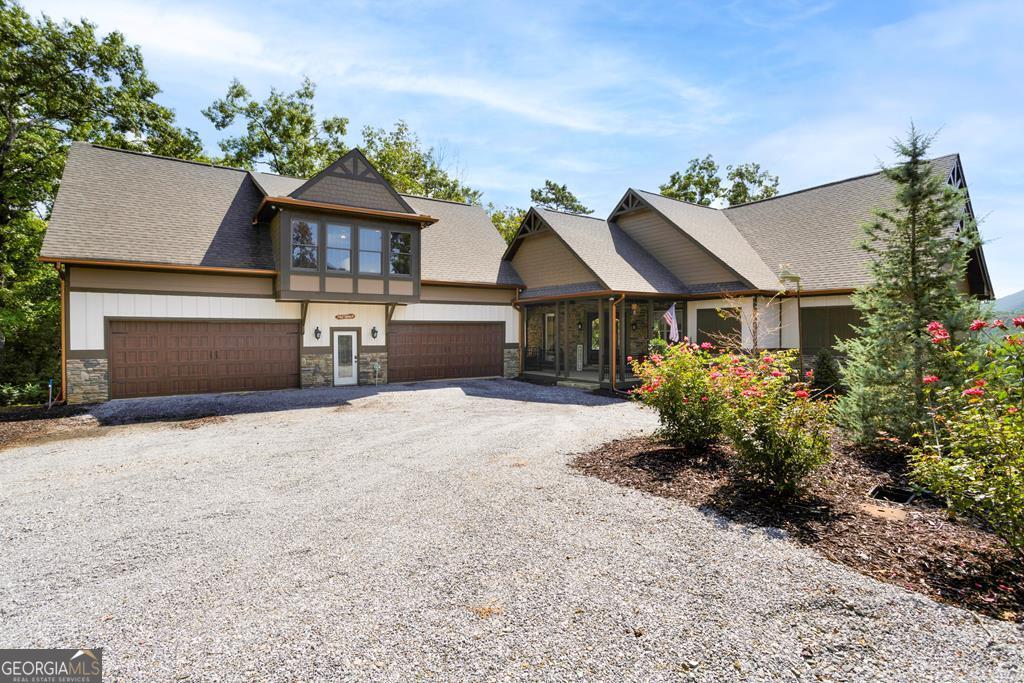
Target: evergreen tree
x=918, y=264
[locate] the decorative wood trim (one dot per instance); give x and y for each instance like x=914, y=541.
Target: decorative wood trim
x=86, y=354
x=457, y=283
x=166, y=292
x=421, y=219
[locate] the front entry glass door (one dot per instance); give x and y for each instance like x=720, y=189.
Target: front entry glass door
x=345, y=352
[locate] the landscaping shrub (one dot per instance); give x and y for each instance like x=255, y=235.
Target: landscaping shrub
x=780, y=435
x=679, y=386
x=973, y=452
x=22, y=394
x=827, y=376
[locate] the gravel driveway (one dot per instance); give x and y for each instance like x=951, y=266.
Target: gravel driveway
x=428, y=531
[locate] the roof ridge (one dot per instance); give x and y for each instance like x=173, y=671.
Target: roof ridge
x=673, y=199
x=207, y=164
x=569, y=213
x=436, y=199
x=828, y=184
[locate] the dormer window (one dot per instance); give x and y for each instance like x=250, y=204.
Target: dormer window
x=304, y=245
x=401, y=253
x=339, y=248
x=371, y=251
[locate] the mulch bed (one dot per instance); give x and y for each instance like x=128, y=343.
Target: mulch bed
x=919, y=546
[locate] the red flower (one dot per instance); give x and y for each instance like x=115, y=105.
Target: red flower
x=777, y=373
x=704, y=399
x=978, y=325
x=656, y=358
x=751, y=392
x=980, y=382
x=940, y=336
x=930, y=379
x=935, y=326
x=973, y=391
x=707, y=345
x=1014, y=340
x=999, y=323
x=1018, y=321
x=801, y=393
x=767, y=360
x=809, y=374
x=1012, y=409
x=629, y=359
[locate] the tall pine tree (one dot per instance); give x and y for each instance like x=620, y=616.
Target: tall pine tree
x=918, y=267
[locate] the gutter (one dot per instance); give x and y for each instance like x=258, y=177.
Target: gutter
x=613, y=320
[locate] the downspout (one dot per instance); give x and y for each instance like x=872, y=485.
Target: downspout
x=63, y=337
x=613, y=321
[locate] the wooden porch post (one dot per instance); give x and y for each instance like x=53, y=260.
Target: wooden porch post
x=602, y=334
x=556, y=344
x=622, y=341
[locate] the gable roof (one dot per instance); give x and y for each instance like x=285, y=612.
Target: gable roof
x=129, y=207
x=618, y=262
x=713, y=231
x=117, y=205
x=352, y=181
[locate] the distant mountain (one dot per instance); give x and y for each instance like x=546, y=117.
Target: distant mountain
x=1013, y=303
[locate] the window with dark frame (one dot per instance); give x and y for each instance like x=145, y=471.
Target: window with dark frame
x=339, y=248
x=401, y=253
x=304, y=244
x=371, y=250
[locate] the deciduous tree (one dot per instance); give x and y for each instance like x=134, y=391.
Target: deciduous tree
x=558, y=197
x=701, y=183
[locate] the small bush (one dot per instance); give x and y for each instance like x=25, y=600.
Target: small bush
x=973, y=452
x=657, y=345
x=827, y=376
x=779, y=434
x=679, y=386
x=22, y=394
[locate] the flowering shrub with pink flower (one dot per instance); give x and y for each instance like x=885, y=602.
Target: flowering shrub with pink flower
x=679, y=384
x=972, y=454
x=779, y=432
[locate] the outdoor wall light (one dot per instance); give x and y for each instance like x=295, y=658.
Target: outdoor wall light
x=632, y=326
x=316, y=333
x=579, y=327
x=373, y=332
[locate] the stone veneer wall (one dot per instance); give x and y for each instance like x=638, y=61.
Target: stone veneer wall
x=317, y=370
x=87, y=380
x=511, y=362
x=366, y=361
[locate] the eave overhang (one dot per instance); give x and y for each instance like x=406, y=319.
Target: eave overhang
x=274, y=203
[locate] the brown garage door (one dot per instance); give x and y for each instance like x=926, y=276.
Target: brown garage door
x=161, y=357
x=444, y=350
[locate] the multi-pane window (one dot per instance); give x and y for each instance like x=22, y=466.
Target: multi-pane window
x=401, y=253
x=339, y=247
x=371, y=250
x=304, y=244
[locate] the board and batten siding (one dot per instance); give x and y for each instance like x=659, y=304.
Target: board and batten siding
x=141, y=281
x=445, y=294
x=87, y=311
x=543, y=261
x=677, y=252
x=325, y=316
x=462, y=313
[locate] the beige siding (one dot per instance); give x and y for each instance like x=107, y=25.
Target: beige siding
x=677, y=252
x=482, y=295
x=304, y=283
x=371, y=286
x=542, y=261
x=400, y=287
x=156, y=281
x=338, y=285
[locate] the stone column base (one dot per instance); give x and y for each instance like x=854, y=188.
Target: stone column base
x=87, y=380
x=511, y=363
x=373, y=367
x=317, y=370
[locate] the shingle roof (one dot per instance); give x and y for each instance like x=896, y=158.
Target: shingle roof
x=615, y=258
x=114, y=205
x=711, y=229
x=462, y=246
x=816, y=231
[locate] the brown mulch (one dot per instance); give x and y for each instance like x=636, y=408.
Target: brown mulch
x=919, y=546
x=29, y=423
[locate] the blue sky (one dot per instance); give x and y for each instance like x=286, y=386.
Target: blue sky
x=604, y=96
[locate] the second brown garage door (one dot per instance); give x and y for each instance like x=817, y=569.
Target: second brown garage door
x=162, y=357
x=418, y=351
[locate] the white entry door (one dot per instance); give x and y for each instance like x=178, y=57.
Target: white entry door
x=345, y=354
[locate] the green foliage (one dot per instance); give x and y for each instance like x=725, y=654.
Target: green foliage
x=702, y=183
x=59, y=82
x=657, y=345
x=827, y=376
x=281, y=131
x=917, y=268
x=32, y=393
x=972, y=450
x=558, y=197
x=780, y=435
x=506, y=221
x=679, y=387
x=400, y=157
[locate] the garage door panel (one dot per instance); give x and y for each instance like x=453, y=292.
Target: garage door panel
x=424, y=351
x=161, y=357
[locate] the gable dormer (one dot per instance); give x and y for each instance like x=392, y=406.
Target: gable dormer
x=543, y=259
x=345, y=235
x=352, y=181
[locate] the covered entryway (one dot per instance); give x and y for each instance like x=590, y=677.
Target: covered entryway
x=422, y=350
x=163, y=357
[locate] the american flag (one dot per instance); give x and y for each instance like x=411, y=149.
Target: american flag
x=673, y=326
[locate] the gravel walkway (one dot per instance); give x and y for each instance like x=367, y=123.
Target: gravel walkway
x=427, y=532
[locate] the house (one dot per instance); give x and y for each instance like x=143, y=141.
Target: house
x=184, y=277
